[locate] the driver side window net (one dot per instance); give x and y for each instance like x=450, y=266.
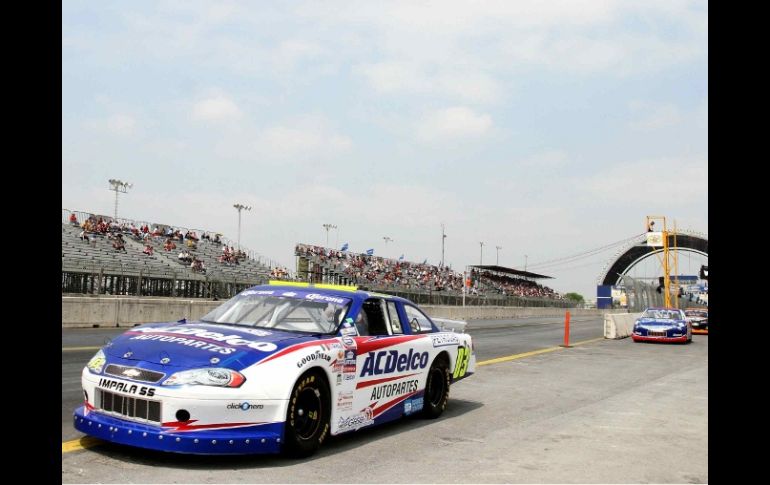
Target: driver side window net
x=418, y=322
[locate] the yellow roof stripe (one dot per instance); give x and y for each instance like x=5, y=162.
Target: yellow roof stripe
x=321, y=286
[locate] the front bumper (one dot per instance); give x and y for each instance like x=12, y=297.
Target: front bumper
x=640, y=338
x=261, y=438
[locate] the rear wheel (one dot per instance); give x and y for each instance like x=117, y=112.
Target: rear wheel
x=307, y=419
x=436, y=389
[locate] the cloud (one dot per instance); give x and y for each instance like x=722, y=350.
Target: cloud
x=217, y=108
x=454, y=122
x=662, y=182
x=400, y=77
x=120, y=125
x=654, y=116
x=299, y=139
x=546, y=159
x=289, y=142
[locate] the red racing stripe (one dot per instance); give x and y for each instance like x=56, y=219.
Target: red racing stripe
x=295, y=347
x=188, y=426
x=368, y=344
x=379, y=381
x=390, y=404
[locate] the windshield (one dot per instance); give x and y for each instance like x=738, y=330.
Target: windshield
x=662, y=314
x=696, y=313
x=281, y=312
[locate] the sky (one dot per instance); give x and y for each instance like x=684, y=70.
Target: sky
x=545, y=128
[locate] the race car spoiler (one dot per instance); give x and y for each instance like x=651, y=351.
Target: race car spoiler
x=447, y=325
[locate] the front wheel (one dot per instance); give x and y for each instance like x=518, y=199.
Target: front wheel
x=307, y=419
x=437, y=389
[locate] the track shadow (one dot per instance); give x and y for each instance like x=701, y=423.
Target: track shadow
x=333, y=445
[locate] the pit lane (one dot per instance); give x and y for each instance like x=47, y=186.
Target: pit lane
x=564, y=415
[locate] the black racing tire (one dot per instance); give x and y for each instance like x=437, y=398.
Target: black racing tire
x=436, y=389
x=307, y=417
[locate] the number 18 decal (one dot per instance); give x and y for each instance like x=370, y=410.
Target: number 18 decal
x=461, y=366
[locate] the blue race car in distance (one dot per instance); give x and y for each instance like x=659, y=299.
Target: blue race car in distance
x=662, y=325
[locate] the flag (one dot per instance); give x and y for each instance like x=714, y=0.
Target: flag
x=401, y=258
x=370, y=252
x=426, y=261
x=344, y=247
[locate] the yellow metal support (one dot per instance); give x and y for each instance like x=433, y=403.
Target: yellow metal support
x=665, y=262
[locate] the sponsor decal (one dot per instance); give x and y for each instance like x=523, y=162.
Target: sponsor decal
x=412, y=406
x=244, y=406
x=393, y=390
x=332, y=299
x=349, y=343
x=234, y=340
x=443, y=339
x=387, y=361
x=345, y=401
x=349, y=365
x=364, y=418
x=131, y=372
x=317, y=355
x=288, y=293
x=256, y=331
x=129, y=388
x=348, y=328
x=339, y=379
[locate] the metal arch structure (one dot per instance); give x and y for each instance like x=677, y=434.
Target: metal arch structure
x=636, y=250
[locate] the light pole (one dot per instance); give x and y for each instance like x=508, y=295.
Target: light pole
x=443, y=236
x=387, y=239
x=240, y=207
x=118, y=186
x=497, y=259
x=525, y=262
x=481, y=256
x=327, y=227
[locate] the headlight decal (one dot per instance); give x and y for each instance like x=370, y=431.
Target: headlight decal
x=96, y=364
x=211, y=376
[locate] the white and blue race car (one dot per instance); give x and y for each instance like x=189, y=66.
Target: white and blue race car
x=662, y=325
x=277, y=368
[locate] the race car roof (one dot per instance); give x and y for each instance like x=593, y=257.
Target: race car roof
x=510, y=271
x=344, y=291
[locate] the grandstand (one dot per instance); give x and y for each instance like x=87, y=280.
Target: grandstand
x=95, y=266
x=415, y=280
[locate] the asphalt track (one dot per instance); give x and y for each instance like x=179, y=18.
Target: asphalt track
x=543, y=414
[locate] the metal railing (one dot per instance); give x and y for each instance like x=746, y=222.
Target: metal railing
x=92, y=278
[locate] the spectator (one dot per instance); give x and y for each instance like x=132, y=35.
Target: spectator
x=83, y=235
x=73, y=219
x=148, y=250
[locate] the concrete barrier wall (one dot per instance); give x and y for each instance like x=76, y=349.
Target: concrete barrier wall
x=502, y=312
x=80, y=311
x=619, y=325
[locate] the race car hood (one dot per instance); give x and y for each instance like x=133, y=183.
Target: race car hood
x=657, y=322
x=197, y=344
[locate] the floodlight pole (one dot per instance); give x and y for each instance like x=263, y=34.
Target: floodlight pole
x=443, y=236
x=497, y=258
x=118, y=186
x=240, y=207
x=327, y=227
x=481, y=255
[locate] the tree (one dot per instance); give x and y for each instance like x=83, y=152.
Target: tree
x=576, y=297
